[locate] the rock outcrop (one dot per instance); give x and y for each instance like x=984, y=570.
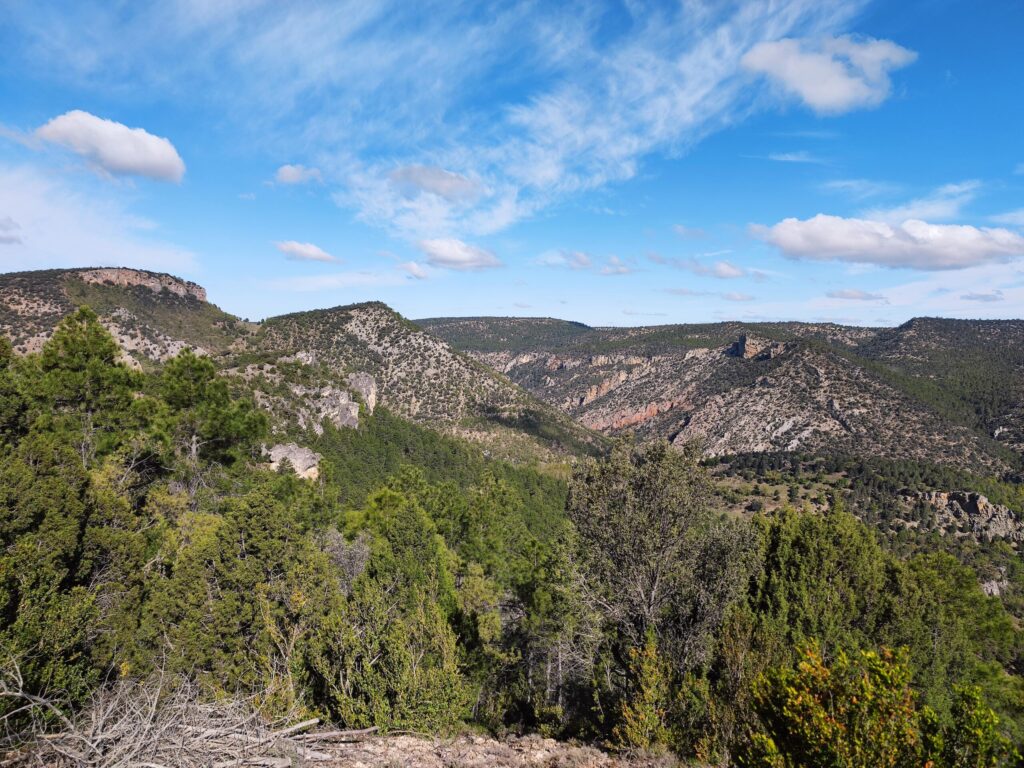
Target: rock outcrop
x=154, y=282
x=319, y=404
x=755, y=347
x=305, y=462
x=365, y=386
x=964, y=513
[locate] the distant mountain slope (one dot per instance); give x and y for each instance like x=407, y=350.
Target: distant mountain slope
x=936, y=390
x=304, y=368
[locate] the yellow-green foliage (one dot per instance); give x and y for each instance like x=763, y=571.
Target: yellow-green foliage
x=861, y=712
x=643, y=719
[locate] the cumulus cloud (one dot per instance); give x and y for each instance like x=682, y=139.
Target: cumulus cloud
x=8, y=231
x=576, y=260
x=914, y=244
x=943, y=204
x=451, y=253
x=833, y=75
x=1011, y=218
x=996, y=295
x=616, y=266
x=297, y=251
x=414, y=179
x=297, y=174
x=113, y=147
x=853, y=294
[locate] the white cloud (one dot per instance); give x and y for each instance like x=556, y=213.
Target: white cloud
x=635, y=313
x=943, y=204
x=795, y=157
x=577, y=260
x=859, y=189
x=1019, y=170
x=414, y=269
x=8, y=231
x=723, y=270
x=414, y=179
x=688, y=232
x=913, y=244
x=989, y=297
x=113, y=147
x=734, y=296
x=297, y=174
x=450, y=253
x=296, y=251
x=532, y=103
x=1010, y=218
x=686, y=292
x=616, y=266
x=833, y=75
x=854, y=294
x=64, y=225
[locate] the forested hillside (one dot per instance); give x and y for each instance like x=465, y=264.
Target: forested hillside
x=416, y=584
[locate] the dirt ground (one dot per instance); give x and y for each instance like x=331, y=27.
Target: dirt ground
x=479, y=752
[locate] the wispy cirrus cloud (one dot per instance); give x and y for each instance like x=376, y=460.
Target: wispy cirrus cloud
x=855, y=294
x=9, y=231
x=1010, y=218
x=801, y=156
x=942, y=204
x=721, y=269
x=860, y=189
x=418, y=150
x=50, y=221
x=988, y=297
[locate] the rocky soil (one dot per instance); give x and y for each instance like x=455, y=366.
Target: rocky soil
x=480, y=752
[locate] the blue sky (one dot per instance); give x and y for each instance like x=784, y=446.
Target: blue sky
x=613, y=163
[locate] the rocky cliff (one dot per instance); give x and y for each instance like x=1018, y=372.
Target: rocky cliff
x=913, y=392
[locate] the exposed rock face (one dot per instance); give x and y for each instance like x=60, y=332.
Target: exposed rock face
x=154, y=282
x=754, y=347
x=964, y=513
x=328, y=403
x=305, y=462
x=366, y=387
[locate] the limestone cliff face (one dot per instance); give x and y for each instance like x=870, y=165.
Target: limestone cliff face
x=153, y=281
x=305, y=462
x=964, y=513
